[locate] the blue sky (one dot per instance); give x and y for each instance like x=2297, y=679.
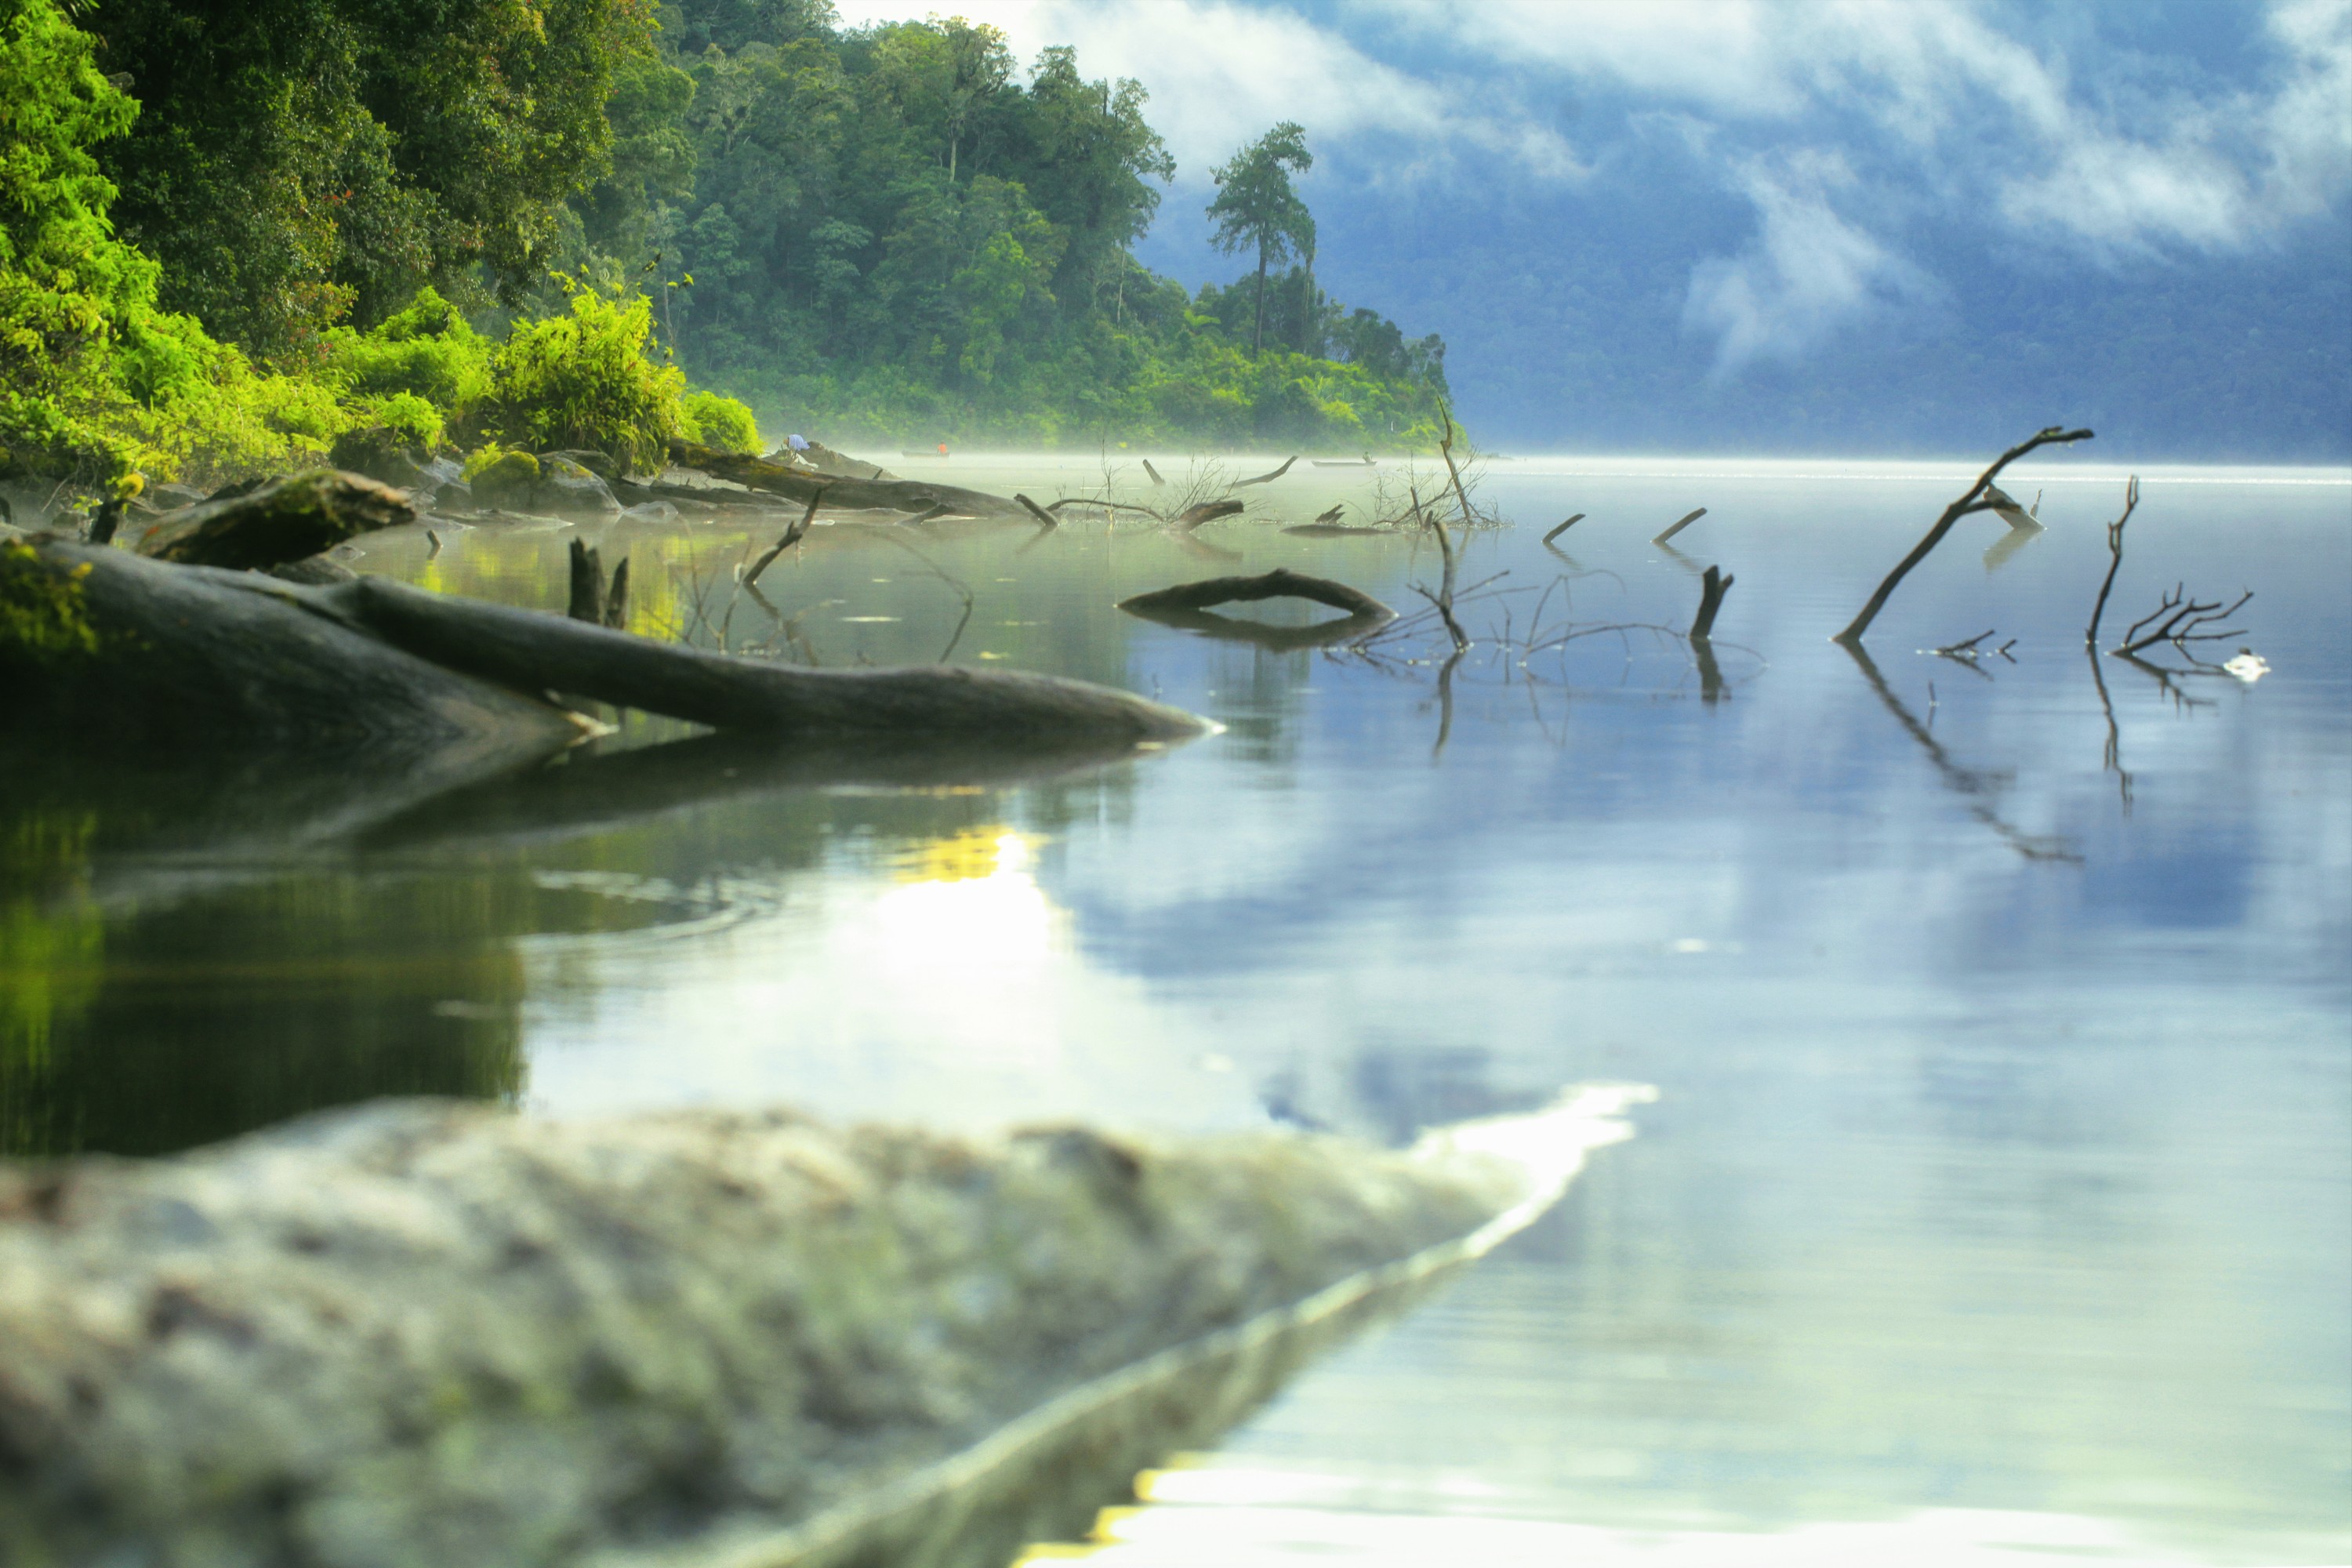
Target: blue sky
x=1796, y=183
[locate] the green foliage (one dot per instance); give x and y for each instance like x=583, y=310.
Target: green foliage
x=1257, y=208
x=299, y=161
x=42, y=618
x=716, y=421
x=427, y=350
x=412, y=418
x=582, y=379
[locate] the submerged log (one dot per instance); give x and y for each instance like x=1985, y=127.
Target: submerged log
x=1279, y=584
x=854, y=495
x=285, y=519
x=430, y=1333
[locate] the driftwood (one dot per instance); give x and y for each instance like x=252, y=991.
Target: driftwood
x=1563, y=527
x=1676, y=527
x=1279, y=584
x=1208, y=511
x=1045, y=519
x=1333, y=529
x=435, y=1333
x=879, y=495
x=1266, y=479
x=1972, y=499
x=287, y=519
x=1153, y=472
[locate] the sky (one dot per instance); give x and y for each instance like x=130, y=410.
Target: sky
x=1752, y=191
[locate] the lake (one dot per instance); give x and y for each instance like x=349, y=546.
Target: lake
x=1997, y=1200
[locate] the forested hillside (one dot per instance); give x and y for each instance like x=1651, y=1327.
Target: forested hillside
x=904, y=230
x=231, y=232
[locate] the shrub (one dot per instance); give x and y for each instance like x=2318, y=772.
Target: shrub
x=427, y=351
x=410, y=419
x=721, y=422
x=584, y=380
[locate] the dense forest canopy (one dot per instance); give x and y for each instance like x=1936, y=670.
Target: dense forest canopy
x=902, y=229
x=230, y=231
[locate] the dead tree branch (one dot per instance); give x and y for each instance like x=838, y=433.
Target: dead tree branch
x=1713, y=587
x=2114, y=561
x=791, y=536
x=1563, y=527
x=1685, y=521
x=1972, y=500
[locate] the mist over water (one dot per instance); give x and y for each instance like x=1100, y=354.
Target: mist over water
x=2003, y=1159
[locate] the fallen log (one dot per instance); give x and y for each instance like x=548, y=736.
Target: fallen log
x=1279, y=584
x=117, y=649
x=533, y=652
x=285, y=519
x=433, y=1332
x=102, y=650
x=880, y=495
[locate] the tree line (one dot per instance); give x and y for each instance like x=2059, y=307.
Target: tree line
x=209, y=212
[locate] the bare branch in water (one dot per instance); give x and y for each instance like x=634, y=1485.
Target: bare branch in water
x=1717, y=583
x=791, y=536
x=1563, y=527
x=1045, y=519
x=2114, y=563
x=1972, y=499
x=1268, y=479
x=2178, y=621
x=1685, y=521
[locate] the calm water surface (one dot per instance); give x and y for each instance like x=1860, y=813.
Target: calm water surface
x=1998, y=1201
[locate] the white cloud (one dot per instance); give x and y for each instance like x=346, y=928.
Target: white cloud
x=1808, y=273
x=1219, y=73
x=1901, y=107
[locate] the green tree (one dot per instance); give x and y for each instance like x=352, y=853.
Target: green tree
x=1257, y=207
x=299, y=161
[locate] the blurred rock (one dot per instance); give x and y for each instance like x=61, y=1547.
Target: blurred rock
x=426, y=1332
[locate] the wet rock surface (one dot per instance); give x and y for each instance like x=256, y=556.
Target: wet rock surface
x=431, y=1333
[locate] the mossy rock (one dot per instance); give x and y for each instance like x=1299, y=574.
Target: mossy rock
x=507, y=480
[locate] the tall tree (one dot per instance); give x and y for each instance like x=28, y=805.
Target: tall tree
x=1256, y=207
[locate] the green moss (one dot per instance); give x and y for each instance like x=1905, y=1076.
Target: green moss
x=42, y=617
x=495, y=466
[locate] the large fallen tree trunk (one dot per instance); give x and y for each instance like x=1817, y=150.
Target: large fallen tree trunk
x=852, y=495
x=529, y=651
x=431, y=1333
x=101, y=650
x=192, y=657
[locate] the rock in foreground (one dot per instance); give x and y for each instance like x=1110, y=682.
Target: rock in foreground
x=433, y=1334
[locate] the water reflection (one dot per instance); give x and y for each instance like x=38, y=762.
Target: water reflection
x=2002, y=1168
